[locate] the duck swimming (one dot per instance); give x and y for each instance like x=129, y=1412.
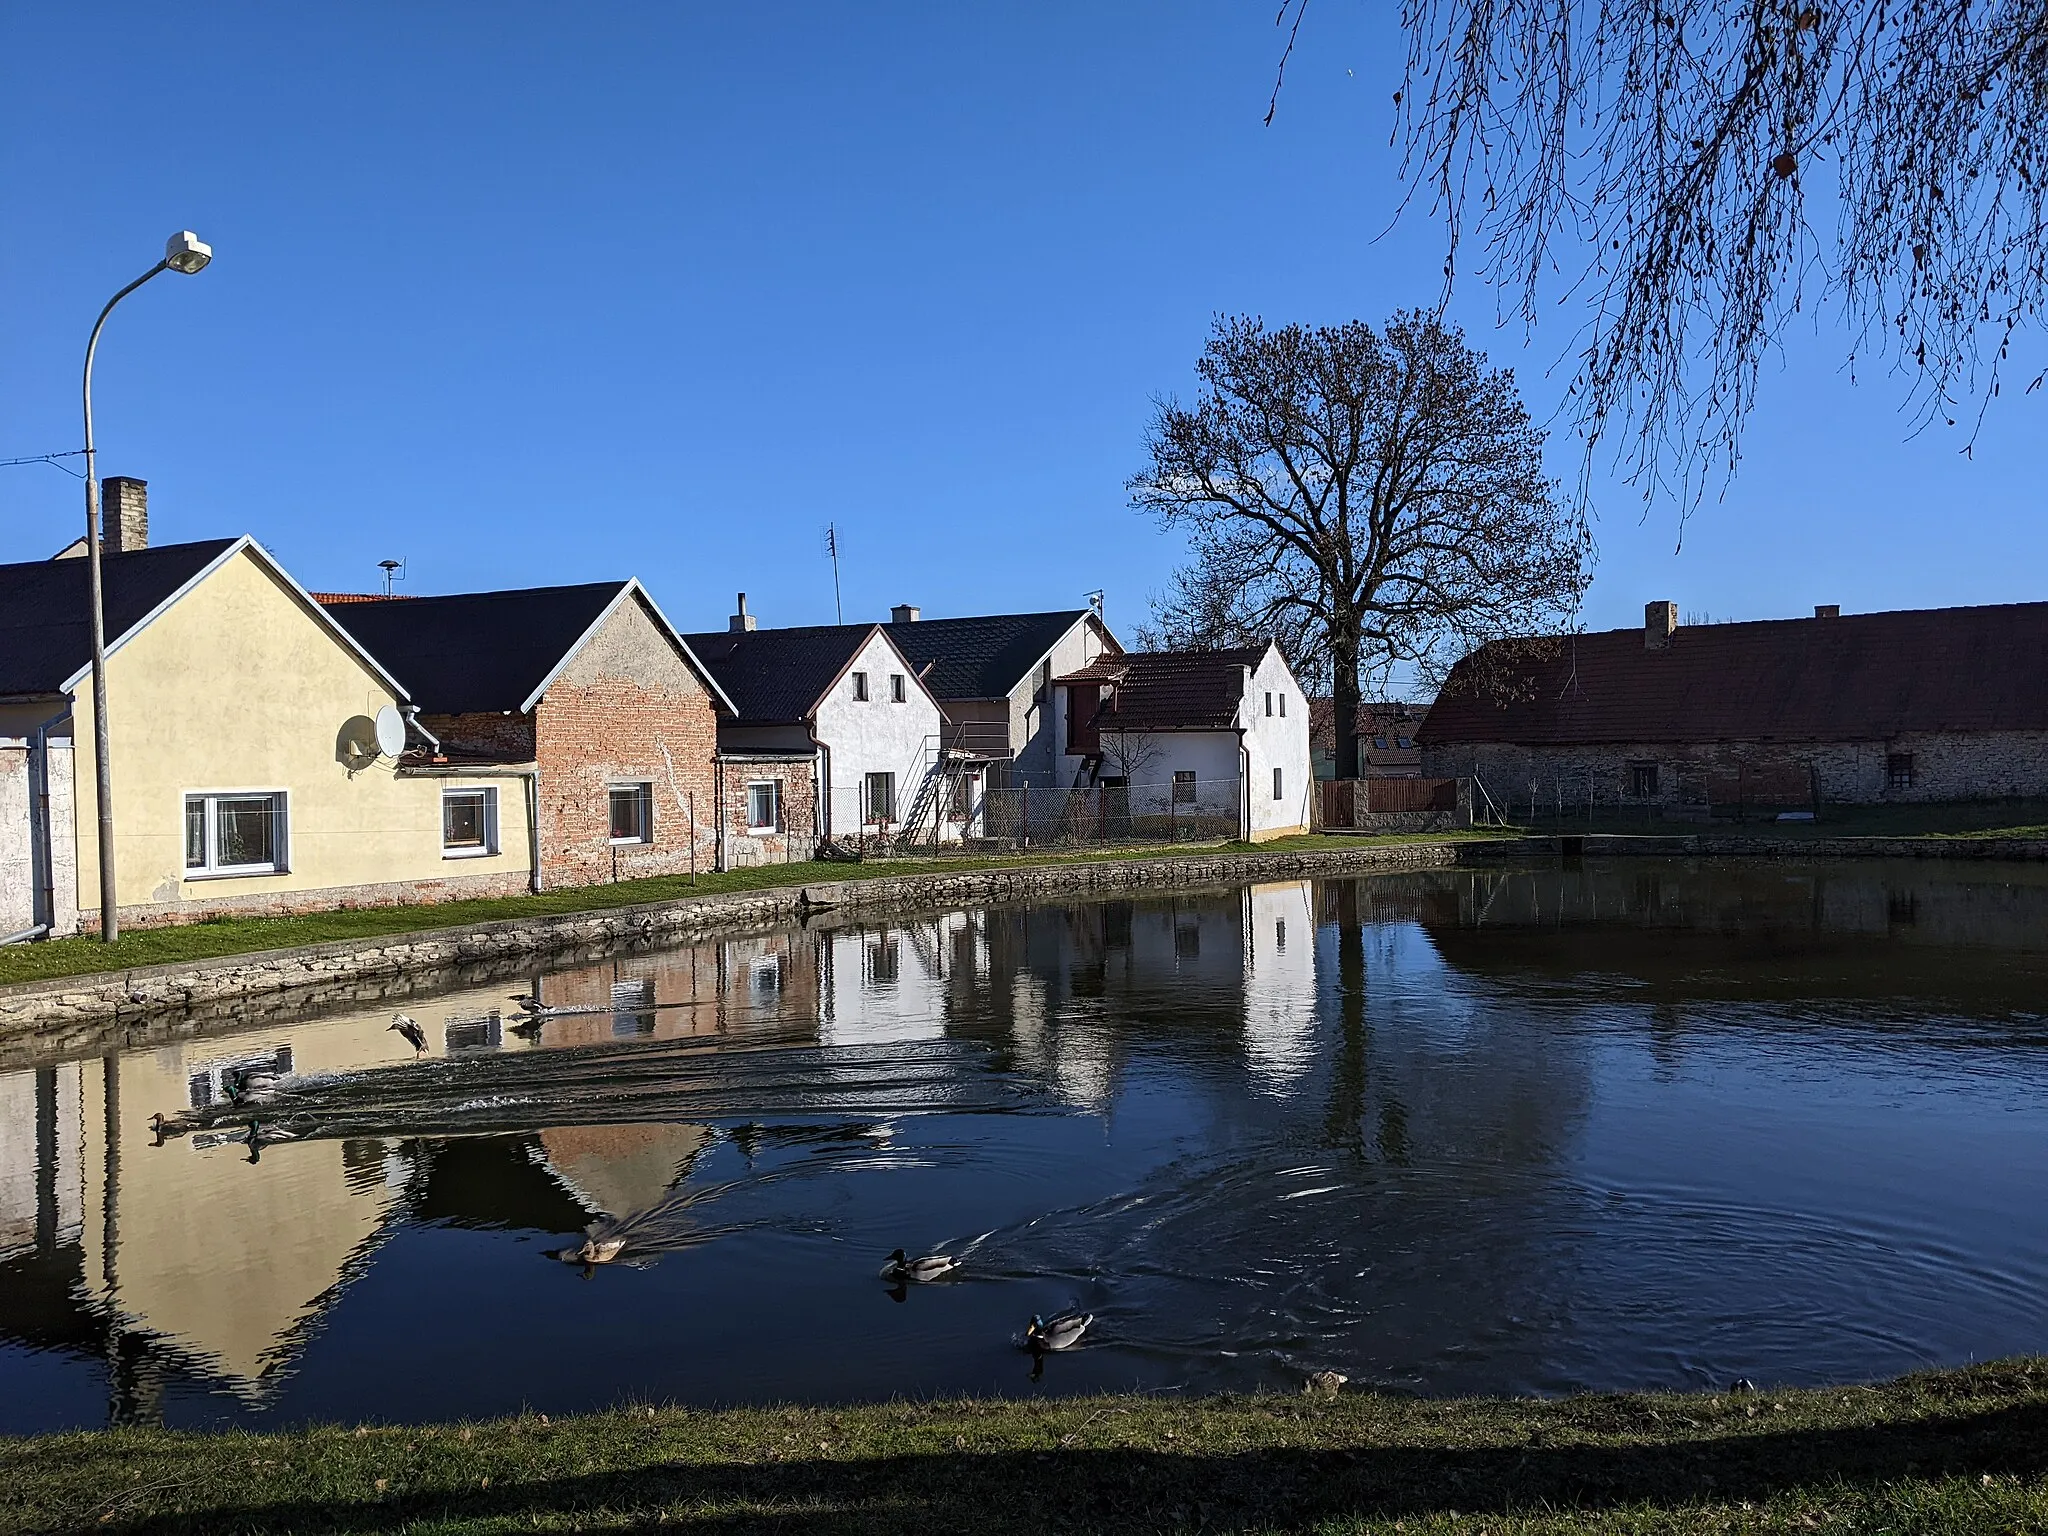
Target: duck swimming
x=1061, y=1332
x=931, y=1267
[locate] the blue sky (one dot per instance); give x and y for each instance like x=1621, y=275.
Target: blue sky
x=530, y=293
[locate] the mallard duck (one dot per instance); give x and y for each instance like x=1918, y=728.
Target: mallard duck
x=931, y=1267
x=1062, y=1332
x=1328, y=1383
x=414, y=1035
x=594, y=1250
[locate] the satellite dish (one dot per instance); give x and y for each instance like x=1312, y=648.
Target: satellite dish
x=390, y=731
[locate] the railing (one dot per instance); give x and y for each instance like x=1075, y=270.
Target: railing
x=978, y=738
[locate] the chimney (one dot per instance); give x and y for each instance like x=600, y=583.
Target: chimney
x=905, y=613
x=1827, y=610
x=124, y=514
x=742, y=620
x=1660, y=622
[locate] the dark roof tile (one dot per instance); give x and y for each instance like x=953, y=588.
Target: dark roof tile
x=1173, y=690
x=45, y=618
x=1852, y=678
x=777, y=676
x=980, y=658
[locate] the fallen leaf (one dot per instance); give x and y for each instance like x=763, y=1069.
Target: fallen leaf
x=383, y=1483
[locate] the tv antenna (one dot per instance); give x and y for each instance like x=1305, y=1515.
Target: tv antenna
x=394, y=570
x=832, y=549
x=1094, y=601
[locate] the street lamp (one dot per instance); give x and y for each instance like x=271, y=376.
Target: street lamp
x=183, y=252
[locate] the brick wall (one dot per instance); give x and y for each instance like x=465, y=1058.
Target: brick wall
x=798, y=838
x=1697, y=776
x=627, y=709
x=500, y=737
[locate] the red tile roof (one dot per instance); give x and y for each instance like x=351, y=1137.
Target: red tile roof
x=1860, y=677
x=1172, y=690
x=323, y=598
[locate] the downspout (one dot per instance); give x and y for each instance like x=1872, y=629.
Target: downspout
x=718, y=809
x=42, y=832
x=532, y=777
x=1244, y=779
x=824, y=762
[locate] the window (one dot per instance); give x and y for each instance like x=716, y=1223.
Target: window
x=469, y=823
x=1279, y=935
x=764, y=805
x=1283, y=706
x=1404, y=742
x=1898, y=771
x=882, y=961
x=1187, y=936
x=1269, y=706
x=880, y=797
x=1642, y=780
x=896, y=693
x=632, y=813
x=1184, y=786
x=1278, y=792
x=860, y=687
x=1379, y=743
x=632, y=1008
x=235, y=834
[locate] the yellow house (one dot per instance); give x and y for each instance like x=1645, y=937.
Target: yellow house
x=254, y=752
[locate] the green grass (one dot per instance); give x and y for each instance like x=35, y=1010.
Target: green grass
x=1941, y=1452
x=216, y=937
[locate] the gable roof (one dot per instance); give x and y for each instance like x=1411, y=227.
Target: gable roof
x=1173, y=690
x=781, y=676
x=985, y=657
x=492, y=652
x=45, y=622
x=1857, y=677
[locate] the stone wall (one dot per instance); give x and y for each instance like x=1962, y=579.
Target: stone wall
x=23, y=878
x=1703, y=776
x=69, y=1006
x=798, y=837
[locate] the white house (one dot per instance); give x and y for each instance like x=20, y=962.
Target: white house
x=992, y=675
x=843, y=698
x=1208, y=735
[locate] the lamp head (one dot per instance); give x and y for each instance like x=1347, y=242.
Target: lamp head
x=186, y=252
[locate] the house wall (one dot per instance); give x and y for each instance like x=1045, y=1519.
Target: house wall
x=626, y=709
x=798, y=836
x=1037, y=728
x=875, y=736
x=1277, y=741
x=239, y=687
x=24, y=845
x=1961, y=766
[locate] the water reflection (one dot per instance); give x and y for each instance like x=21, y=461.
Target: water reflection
x=1515, y=1129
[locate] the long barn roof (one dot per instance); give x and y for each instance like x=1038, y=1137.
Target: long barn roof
x=1856, y=677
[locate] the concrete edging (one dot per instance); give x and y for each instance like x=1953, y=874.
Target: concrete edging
x=118, y=997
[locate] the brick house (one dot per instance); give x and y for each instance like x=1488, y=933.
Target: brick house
x=1924, y=705
x=588, y=691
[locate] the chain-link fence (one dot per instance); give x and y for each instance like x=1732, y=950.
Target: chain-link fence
x=1184, y=811
x=1642, y=797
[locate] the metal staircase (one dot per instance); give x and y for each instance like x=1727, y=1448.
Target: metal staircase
x=945, y=767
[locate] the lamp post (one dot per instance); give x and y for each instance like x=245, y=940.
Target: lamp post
x=183, y=252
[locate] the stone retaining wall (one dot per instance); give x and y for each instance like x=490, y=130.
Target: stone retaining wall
x=68, y=1005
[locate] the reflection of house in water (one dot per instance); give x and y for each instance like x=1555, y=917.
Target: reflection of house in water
x=1280, y=983
x=621, y=1170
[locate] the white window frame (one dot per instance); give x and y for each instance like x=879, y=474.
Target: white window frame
x=860, y=688
x=867, y=800
x=212, y=869
x=772, y=826
x=644, y=788
x=489, y=793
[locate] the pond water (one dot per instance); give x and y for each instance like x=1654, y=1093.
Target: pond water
x=1631, y=1124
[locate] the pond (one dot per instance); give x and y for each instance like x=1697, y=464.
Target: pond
x=1629, y=1124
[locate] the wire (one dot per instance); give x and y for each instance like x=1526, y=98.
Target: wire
x=51, y=460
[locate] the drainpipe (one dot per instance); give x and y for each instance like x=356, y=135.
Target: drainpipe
x=718, y=810
x=532, y=777
x=824, y=761
x=1244, y=780
x=42, y=833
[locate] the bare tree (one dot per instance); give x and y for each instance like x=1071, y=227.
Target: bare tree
x=1659, y=158
x=1129, y=751
x=1373, y=500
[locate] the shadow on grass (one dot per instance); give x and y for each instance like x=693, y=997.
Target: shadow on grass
x=1114, y=1488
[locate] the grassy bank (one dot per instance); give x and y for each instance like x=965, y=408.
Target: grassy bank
x=216, y=937
x=1948, y=1451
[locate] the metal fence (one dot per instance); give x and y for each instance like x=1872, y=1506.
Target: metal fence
x=1186, y=811
x=1671, y=799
